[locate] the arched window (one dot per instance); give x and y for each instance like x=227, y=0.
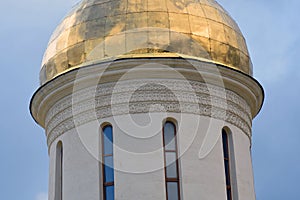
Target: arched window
x=108, y=163
x=227, y=160
x=59, y=171
x=171, y=161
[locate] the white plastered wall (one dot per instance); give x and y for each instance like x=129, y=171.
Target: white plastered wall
x=201, y=166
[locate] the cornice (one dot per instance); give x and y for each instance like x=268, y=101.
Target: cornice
x=216, y=91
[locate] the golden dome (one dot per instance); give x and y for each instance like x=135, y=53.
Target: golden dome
x=100, y=29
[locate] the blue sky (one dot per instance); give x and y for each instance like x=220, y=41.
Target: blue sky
x=272, y=32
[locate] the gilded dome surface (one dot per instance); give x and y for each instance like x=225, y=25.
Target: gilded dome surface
x=101, y=29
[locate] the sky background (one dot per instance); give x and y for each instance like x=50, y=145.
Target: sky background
x=272, y=31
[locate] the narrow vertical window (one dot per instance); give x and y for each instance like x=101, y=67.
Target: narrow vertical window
x=171, y=161
x=59, y=172
x=226, y=154
x=108, y=163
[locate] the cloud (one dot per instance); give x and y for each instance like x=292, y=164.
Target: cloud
x=42, y=196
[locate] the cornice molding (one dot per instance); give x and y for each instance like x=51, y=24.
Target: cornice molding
x=172, y=85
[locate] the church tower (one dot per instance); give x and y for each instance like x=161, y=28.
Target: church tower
x=148, y=100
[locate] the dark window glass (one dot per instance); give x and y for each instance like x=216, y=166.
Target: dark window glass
x=108, y=140
x=225, y=144
x=171, y=161
x=169, y=136
x=226, y=163
x=59, y=172
x=171, y=166
x=109, y=193
x=108, y=174
x=228, y=193
x=172, y=190
x=108, y=163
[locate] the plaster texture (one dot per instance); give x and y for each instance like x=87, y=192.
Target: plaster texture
x=136, y=99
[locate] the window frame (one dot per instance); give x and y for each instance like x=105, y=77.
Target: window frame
x=226, y=149
x=103, y=156
x=177, y=179
x=58, y=195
